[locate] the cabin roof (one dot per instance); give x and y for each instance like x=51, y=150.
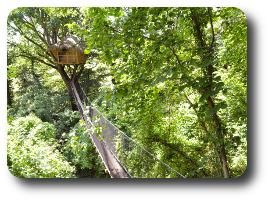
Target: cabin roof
x=69, y=42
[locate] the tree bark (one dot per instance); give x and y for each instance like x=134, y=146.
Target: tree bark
x=67, y=80
x=9, y=92
x=218, y=142
x=220, y=137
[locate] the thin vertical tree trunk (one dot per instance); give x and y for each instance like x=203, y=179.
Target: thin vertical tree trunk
x=218, y=142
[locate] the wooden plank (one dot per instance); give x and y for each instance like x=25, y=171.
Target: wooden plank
x=112, y=165
x=66, y=62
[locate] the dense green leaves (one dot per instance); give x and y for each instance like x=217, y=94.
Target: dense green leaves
x=108, y=97
x=163, y=59
x=81, y=152
x=32, y=150
x=176, y=82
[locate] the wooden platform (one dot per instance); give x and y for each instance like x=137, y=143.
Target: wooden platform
x=66, y=62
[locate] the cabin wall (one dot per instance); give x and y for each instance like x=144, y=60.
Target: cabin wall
x=55, y=53
x=82, y=57
x=71, y=56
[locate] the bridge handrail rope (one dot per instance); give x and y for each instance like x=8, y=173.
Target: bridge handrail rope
x=121, y=132
x=90, y=124
x=113, y=167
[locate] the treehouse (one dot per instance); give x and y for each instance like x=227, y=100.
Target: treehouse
x=69, y=51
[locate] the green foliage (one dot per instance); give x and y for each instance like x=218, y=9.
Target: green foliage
x=32, y=152
x=165, y=61
x=35, y=92
x=81, y=152
x=48, y=106
x=176, y=82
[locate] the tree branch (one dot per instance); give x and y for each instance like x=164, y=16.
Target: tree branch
x=112, y=28
x=190, y=103
x=32, y=27
x=37, y=59
x=45, y=58
x=29, y=39
x=213, y=35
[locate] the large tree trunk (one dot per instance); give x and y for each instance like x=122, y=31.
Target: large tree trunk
x=67, y=81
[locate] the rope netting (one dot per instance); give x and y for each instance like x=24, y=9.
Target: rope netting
x=122, y=156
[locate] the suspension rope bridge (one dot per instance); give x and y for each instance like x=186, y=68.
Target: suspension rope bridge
x=121, y=155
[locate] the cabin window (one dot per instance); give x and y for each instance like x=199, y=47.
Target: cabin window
x=69, y=56
x=60, y=56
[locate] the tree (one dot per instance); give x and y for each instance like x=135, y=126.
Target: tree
x=42, y=27
x=178, y=77
x=32, y=150
x=177, y=49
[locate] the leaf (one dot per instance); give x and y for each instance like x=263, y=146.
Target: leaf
x=157, y=49
x=219, y=84
x=192, y=61
x=92, y=14
x=213, y=92
x=210, y=112
x=167, y=42
x=89, y=44
x=203, y=97
x=207, y=63
x=193, y=106
x=125, y=59
x=206, y=84
x=196, y=85
x=183, y=76
x=119, y=95
x=181, y=88
x=108, y=97
x=150, y=28
x=172, y=14
x=189, y=84
x=200, y=51
x=223, y=105
x=87, y=51
x=187, y=50
x=170, y=22
x=202, y=80
x=217, y=78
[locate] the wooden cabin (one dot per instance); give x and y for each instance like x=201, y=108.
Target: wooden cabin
x=69, y=52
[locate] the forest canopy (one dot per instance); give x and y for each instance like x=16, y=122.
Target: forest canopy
x=173, y=79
